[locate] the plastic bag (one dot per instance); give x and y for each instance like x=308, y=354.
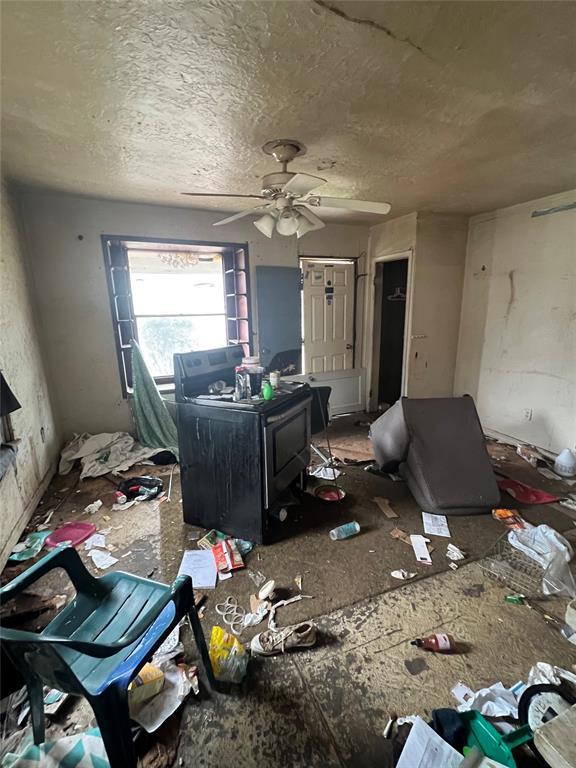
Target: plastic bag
x=552, y=552
x=228, y=656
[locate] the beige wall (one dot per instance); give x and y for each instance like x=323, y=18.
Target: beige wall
x=517, y=348
x=436, y=245
x=23, y=367
x=437, y=296
x=72, y=294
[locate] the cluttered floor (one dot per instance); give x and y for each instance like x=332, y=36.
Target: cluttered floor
x=329, y=704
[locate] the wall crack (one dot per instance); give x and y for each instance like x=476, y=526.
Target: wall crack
x=333, y=8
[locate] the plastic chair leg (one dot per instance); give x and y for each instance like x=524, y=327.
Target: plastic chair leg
x=113, y=717
x=36, y=698
x=203, y=648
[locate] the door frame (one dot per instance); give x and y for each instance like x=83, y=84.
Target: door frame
x=332, y=260
x=372, y=326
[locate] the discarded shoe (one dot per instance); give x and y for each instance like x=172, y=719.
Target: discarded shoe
x=284, y=639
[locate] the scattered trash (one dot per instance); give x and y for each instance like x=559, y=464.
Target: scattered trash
x=224, y=575
x=402, y=574
x=43, y=526
x=193, y=678
x=494, y=701
x=454, y=553
x=435, y=525
x=531, y=455
x=147, y=683
x=103, y=453
x=120, y=497
x=29, y=606
x=227, y=556
x=141, y=488
x=525, y=494
x=53, y=700
x=91, y=509
x=453, y=566
x=254, y=618
x=565, y=464
x=73, y=532
x=257, y=577
x=96, y=540
x=542, y=672
x=425, y=747
x=212, y=538
x=551, y=551
x=398, y=533
x=511, y=519
x=152, y=713
x=194, y=536
x=439, y=642
x=385, y=507
x=200, y=565
x=325, y=473
x=267, y=591
x=30, y=547
x=280, y=604
x=273, y=641
x=232, y=614
x=420, y=549
x=345, y=531
x=102, y=560
x=569, y=504
x=228, y=656
x=243, y=546
x=298, y=582
x=388, y=727
x=118, y=507
x=515, y=599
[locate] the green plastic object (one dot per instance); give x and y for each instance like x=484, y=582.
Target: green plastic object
x=267, y=391
x=98, y=642
x=34, y=543
x=492, y=743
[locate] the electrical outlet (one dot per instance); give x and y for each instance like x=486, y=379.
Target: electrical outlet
x=527, y=413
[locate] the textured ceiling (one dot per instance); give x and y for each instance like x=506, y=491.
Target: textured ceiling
x=450, y=106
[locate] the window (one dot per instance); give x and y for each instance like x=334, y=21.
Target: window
x=175, y=297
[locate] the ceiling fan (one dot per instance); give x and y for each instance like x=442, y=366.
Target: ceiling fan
x=288, y=202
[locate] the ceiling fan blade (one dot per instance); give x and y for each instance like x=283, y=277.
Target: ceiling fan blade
x=310, y=217
x=302, y=183
x=362, y=206
x=219, y=194
x=249, y=212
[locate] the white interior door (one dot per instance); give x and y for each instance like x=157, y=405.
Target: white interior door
x=328, y=316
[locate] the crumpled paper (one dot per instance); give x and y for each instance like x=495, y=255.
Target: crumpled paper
x=494, y=701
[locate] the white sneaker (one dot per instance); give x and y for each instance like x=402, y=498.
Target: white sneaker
x=284, y=639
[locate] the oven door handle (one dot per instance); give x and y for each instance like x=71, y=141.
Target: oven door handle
x=287, y=414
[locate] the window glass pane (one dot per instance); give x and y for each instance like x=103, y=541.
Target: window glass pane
x=179, y=283
x=160, y=337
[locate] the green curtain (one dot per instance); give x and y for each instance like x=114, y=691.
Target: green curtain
x=154, y=424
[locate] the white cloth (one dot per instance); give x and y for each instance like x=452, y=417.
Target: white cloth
x=107, y=452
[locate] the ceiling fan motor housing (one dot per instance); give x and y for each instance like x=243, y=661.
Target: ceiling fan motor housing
x=273, y=183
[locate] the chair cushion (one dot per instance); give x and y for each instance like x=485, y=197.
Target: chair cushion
x=447, y=466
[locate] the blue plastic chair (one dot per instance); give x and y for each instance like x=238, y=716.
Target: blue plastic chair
x=97, y=643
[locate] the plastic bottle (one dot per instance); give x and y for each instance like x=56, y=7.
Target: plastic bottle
x=267, y=391
x=345, y=531
x=565, y=463
x=437, y=643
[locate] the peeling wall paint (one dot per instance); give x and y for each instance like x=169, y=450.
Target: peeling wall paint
x=23, y=366
x=72, y=295
x=517, y=347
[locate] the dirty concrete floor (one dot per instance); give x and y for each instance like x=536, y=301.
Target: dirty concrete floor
x=328, y=706
x=323, y=707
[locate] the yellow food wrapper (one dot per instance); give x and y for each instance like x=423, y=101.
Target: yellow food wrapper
x=147, y=683
x=228, y=656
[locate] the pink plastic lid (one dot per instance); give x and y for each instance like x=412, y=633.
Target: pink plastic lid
x=73, y=532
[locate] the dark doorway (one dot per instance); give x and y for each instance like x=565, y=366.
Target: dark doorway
x=392, y=276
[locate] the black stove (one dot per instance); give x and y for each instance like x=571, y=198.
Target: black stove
x=237, y=458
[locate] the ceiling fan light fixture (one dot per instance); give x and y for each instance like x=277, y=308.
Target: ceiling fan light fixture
x=304, y=226
x=266, y=224
x=288, y=223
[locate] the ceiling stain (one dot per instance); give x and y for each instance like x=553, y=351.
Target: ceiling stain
x=142, y=101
